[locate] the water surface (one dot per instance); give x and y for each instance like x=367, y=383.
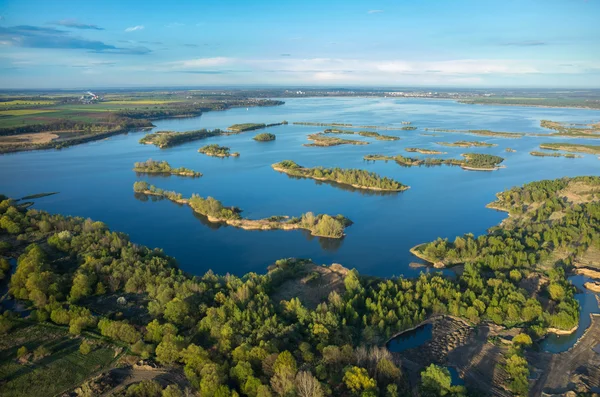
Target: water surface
x=95, y=180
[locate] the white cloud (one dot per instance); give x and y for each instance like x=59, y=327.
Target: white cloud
x=197, y=63
x=134, y=28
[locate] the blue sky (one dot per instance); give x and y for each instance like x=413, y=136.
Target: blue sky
x=463, y=43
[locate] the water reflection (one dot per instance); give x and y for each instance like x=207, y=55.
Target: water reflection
x=327, y=244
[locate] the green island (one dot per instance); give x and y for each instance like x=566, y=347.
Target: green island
x=498, y=134
x=216, y=150
x=61, y=119
x=546, y=154
x=321, y=225
x=471, y=161
x=243, y=127
x=163, y=167
x=320, y=140
x=326, y=326
x=264, y=137
x=510, y=150
x=374, y=127
x=370, y=134
x=423, y=151
x=165, y=139
x=572, y=147
x=467, y=144
x=358, y=179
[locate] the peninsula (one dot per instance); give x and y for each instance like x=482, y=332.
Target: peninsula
x=471, y=161
x=321, y=225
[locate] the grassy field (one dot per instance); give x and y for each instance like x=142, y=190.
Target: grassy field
x=141, y=102
x=24, y=112
x=63, y=369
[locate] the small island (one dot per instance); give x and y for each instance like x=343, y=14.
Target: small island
x=554, y=154
x=471, y=161
x=572, y=147
x=243, y=127
x=264, y=137
x=467, y=144
x=215, y=150
x=321, y=225
x=320, y=140
x=163, y=167
x=509, y=150
x=571, y=130
x=423, y=151
x=164, y=139
x=369, y=134
x=358, y=179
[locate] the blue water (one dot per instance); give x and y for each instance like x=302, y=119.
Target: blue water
x=95, y=180
x=411, y=339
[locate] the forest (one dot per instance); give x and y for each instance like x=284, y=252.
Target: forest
x=231, y=336
x=357, y=178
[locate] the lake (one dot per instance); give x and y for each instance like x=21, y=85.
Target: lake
x=95, y=180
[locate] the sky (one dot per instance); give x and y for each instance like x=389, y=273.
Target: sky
x=384, y=43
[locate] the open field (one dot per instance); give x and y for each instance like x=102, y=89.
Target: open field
x=62, y=369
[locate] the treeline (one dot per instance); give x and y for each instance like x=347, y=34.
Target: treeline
x=357, y=178
x=80, y=126
x=163, y=167
x=164, y=139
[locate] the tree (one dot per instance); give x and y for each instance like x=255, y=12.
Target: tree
x=357, y=380
x=22, y=352
x=307, y=385
x=516, y=367
x=85, y=348
x=284, y=371
x=436, y=381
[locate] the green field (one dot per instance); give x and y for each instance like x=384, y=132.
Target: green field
x=18, y=102
x=63, y=369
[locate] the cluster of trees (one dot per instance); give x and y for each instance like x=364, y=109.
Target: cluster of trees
x=264, y=137
x=217, y=151
x=163, y=167
x=246, y=127
x=554, y=154
x=484, y=161
x=213, y=208
x=370, y=134
x=164, y=139
x=323, y=225
x=233, y=338
x=572, y=147
x=144, y=188
x=473, y=160
x=355, y=177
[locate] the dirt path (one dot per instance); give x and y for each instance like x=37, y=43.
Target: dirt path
x=130, y=375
